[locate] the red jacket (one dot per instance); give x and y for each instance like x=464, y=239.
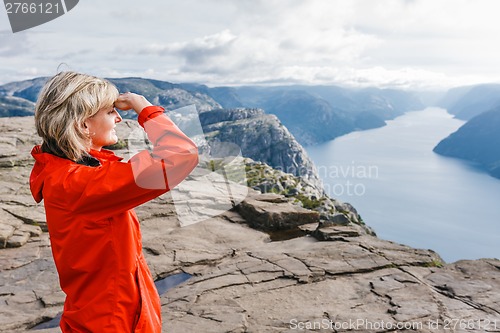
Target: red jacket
x=94, y=232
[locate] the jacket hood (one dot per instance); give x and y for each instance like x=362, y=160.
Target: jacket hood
x=46, y=161
x=38, y=173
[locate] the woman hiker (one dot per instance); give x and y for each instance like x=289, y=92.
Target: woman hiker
x=89, y=195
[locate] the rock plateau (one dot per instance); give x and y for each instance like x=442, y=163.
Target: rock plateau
x=337, y=277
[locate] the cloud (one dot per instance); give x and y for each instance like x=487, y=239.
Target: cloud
x=197, y=52
x=267, y=41
x=13, y=45
x=260, y=43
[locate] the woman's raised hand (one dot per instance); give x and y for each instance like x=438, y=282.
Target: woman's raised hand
x=128, y=101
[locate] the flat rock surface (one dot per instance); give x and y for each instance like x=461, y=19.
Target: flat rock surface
x=335, y=279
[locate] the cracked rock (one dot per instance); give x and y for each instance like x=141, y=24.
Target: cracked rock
x=243, y=282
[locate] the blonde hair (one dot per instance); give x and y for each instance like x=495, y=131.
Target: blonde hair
x=64, y=103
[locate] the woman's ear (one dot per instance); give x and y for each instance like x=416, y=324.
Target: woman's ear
x=84, y=128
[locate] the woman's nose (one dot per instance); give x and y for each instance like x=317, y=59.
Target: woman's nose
x=118, y=118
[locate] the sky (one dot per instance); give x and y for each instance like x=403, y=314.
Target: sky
x=405, y=44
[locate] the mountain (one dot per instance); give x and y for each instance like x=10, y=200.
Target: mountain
x=478, y=141
x=316, y=114
x=27, y=90
x=18, y=98
x=313, y=114
x=264, y=266
x=384, y=103
x=15, y=97
x=227, y=97
x=311, y=120
x=11, y=106
x=467, y=102
x=166, y=94
x=242, y=274
x=261, y=137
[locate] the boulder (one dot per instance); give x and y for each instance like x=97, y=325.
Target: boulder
x=265, y=215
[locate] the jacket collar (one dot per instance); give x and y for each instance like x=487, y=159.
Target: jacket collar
x=94, y=158
x=104, y=155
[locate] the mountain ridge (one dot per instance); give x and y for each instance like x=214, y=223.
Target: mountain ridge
x=478, y=141
x=313, y=114
x=469, y=101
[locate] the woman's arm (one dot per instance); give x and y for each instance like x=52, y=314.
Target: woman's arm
x=116, y=186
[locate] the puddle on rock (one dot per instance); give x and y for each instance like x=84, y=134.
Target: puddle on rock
x=171, y=281
x=162, y=286
x=51, y=323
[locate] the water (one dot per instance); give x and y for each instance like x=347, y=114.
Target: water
x=409, y=194
x=162, y=286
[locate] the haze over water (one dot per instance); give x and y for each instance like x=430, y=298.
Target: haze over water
x=410, y=195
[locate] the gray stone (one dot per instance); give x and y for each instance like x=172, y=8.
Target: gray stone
x=6, y=231
x=19, y=238
x=270, y=197
x=338, y=218
x=8, y=219
x=274, y=216
x=28, y=214
x=33, y=230
x=243, y=282
x=8, y=146
x=336, y=233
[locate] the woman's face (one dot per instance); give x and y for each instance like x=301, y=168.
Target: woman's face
x=101, y=127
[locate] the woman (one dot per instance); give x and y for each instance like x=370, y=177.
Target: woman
x=89, y=194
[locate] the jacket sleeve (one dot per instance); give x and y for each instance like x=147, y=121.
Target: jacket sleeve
x=114, y=187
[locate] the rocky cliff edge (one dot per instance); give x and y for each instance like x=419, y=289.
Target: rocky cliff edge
x=333, y=278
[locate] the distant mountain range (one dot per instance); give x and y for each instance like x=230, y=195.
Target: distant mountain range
x=467, y=102
x=253, y=117
x=316, y=114
x=313, y=114
x=258, y=135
